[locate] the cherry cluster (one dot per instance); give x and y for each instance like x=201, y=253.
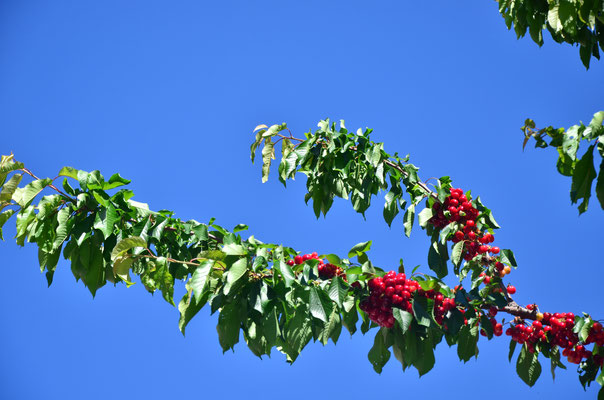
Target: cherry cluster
x=557, y=329
x=496, y=326
x=395, y=290
x=326, y=270
x=458, y=207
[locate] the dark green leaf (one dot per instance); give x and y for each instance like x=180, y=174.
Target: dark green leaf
x=320, y=304
x=200, y=278
x=466, y=345
x=338, y=290
x=600, y=185
x=235, y=273
x=408, y=219
x=437, y=259
x=359, y=249
x=403, y=318
x=419, y=310
x=379, y=353
x=583, y=178
x=228, y=326
x=528, y=366
x=456, y=253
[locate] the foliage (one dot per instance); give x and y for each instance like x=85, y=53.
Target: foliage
x=579, y=22
x=567, y=142
x=271, y=294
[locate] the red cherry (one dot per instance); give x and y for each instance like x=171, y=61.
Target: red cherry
x=459, y=235
x=511, y=289
x=290, y=263
x=494, y=250
x=298, y=260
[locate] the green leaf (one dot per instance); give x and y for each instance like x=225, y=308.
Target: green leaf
x=424, y=216
x=199, y=278
x=568, y=16
x=437, y=259
x=379, y=353
x=234, y=250
x=426, y=361
x=338, y=291
x=24, y=196
x=9, y=188
x=456, y=253
x=298, y=333
x=228, y=326
x=121, y=269
x=69, y=172
x=106, y=219
x=600, y=185
x=512, y=349
x=126, y=244
x=403, y=318
x=466, y=344
x=65, y=224
x=359, y=249
x=582, y=180
x=268, y=153
x=507, y=257
x=419, y=310
x=188, y=307
x=408, y=219
x=553, y=19
x=240, y=227
x=528, y=366
x=319, y=308
x=285, y=271
x=235, y=273
x=4, y=216
x=115, y=181
x=390, y=208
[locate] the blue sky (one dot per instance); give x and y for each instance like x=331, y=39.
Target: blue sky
x=167, y=94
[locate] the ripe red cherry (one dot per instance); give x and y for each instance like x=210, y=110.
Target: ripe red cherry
x=495, y=250
x=511, y=289
x=459, y=235
x=298, y=260
x=290, y=263
x=470, y=223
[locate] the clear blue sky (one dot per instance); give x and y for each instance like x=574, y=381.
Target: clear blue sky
x=167, y=94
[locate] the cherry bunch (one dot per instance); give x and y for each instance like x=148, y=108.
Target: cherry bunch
x=496, y=326
x=458, y=207
x=557, y=329
x=326, y=270
x=395, y=290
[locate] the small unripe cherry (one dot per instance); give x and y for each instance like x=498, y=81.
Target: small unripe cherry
x=539, y=316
